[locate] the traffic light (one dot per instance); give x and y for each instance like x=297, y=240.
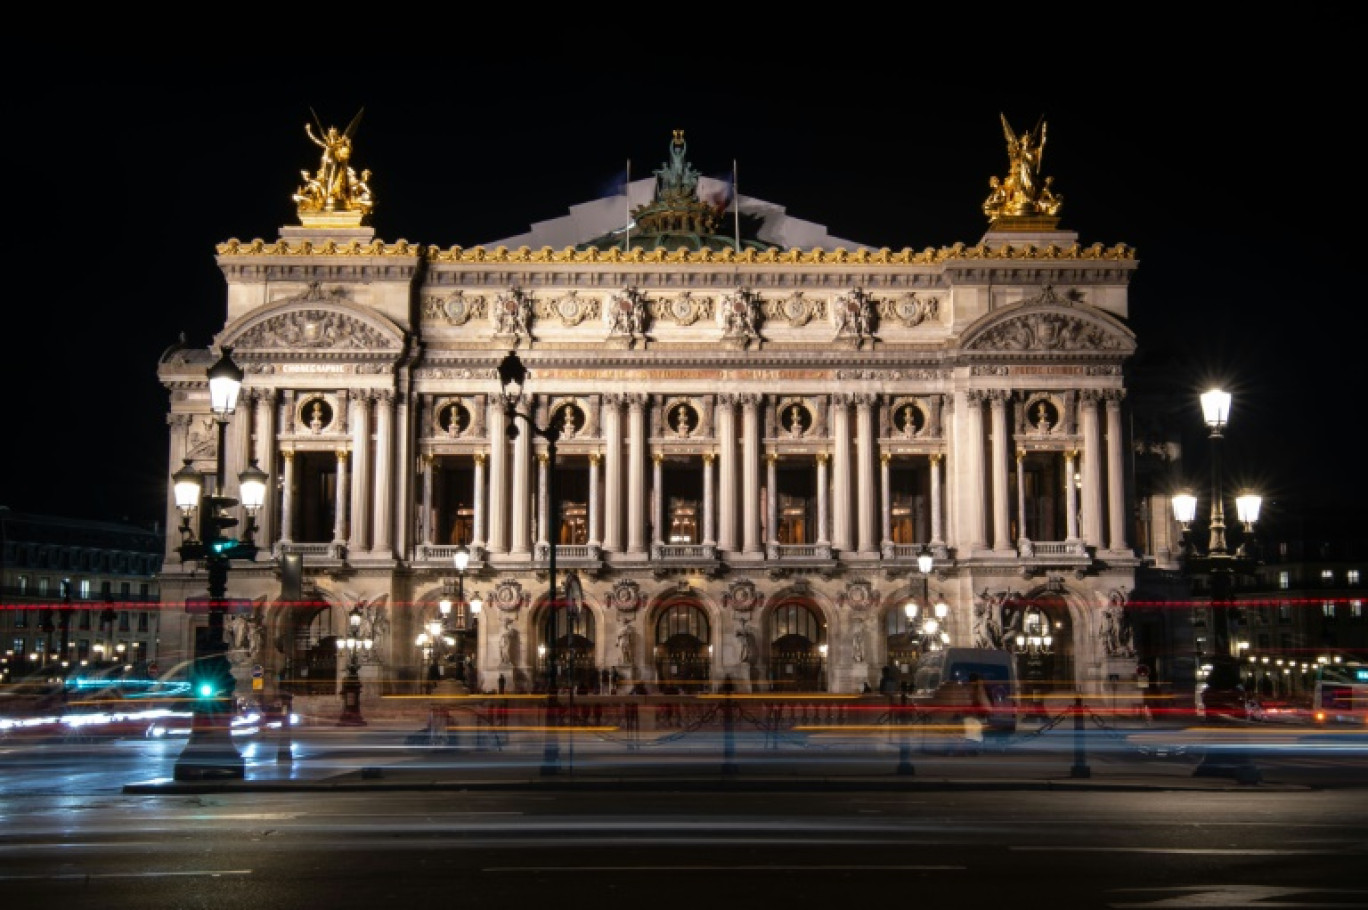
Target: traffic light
x=211, y=681
x=214, y=521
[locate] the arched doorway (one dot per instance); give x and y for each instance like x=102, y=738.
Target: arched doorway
x=682, y=651
x=1037, y=629
x=565, y=649
x=904, y=643
x=310, y=650
x=797, y=662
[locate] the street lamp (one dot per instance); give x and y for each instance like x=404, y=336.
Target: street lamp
x=512, y=377
x=1223, y=680
x=209, y=752
x=353, y=644
x=931, y=636
x=1218, y=561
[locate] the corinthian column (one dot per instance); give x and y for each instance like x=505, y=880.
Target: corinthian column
x=1092, y=468
x=750, y=473
x=636, y=474
x=1116, y=491
x=840, y=444
x=612, y=474
x=384, y=474
x=1002, y=537
x=726, y=473
x=864, y=478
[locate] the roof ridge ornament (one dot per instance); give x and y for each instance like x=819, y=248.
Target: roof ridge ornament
x=1023, y=201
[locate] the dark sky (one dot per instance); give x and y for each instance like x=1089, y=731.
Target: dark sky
x=122, y=178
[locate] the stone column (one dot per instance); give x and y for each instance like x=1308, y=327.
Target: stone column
x=612, y=470
x=840, y=443
x=969, y=479
x=383, y=537
x=772, y=501
x=543, y=502
x=636, y=474
x=1092, y=473
x=287, y=496
x=343, y=484
x=1071, y=493
x=937, y=513
x=750, y=473
x=1022, y=530
x=429, y=466
x=823, y=500
x=1002, y=536
x=658, y=484
x=481, y=504
x=864, y=476
x=726, y=463
x=594, y=495
x=264, y=452
x=885, y=504
x=520, y=501
x=401, y=488
x=709, y=502
x=360, y=501
x=1116, y=488
x=498, y=478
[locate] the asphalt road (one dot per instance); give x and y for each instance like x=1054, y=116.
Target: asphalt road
x=381, y=815
x=663, y=850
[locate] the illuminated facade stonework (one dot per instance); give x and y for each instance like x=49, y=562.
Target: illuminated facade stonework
x=761, y=427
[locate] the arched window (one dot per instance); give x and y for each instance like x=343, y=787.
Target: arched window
x=796, y=662
x=683, y=647
x=565, y=648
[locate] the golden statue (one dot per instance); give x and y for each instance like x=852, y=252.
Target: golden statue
x=334, y=196
x=1023, y=199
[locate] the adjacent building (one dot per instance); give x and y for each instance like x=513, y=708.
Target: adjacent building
x=77, y=595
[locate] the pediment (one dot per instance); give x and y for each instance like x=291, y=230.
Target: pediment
x=1049, y=323
x=315, y=321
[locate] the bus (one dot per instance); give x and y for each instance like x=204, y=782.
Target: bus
x=1341, y=694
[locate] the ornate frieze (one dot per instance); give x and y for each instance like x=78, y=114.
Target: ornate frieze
x=314, y=328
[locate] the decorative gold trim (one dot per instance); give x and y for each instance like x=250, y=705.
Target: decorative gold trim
x=839, y=256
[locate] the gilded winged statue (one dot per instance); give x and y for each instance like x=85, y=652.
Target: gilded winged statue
x=1023, y=193
x=335, y=187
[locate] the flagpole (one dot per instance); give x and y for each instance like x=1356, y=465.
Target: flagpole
x=736, y=207
x=627, y=238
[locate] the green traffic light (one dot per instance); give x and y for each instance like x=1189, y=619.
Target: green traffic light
x=206, y=690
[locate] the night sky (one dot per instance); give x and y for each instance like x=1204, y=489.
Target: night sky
x=122, y=179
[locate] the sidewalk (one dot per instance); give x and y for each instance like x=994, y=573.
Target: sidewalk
x=393, y=755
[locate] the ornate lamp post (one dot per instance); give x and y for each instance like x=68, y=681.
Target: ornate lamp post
x=930, y=634
x=1033, y=644
x=1218, y=562
x=512, y=377
x=1223, y=680
x=209, y=752
x=351, y=686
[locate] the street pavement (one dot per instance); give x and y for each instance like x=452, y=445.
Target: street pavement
x=401, y=754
